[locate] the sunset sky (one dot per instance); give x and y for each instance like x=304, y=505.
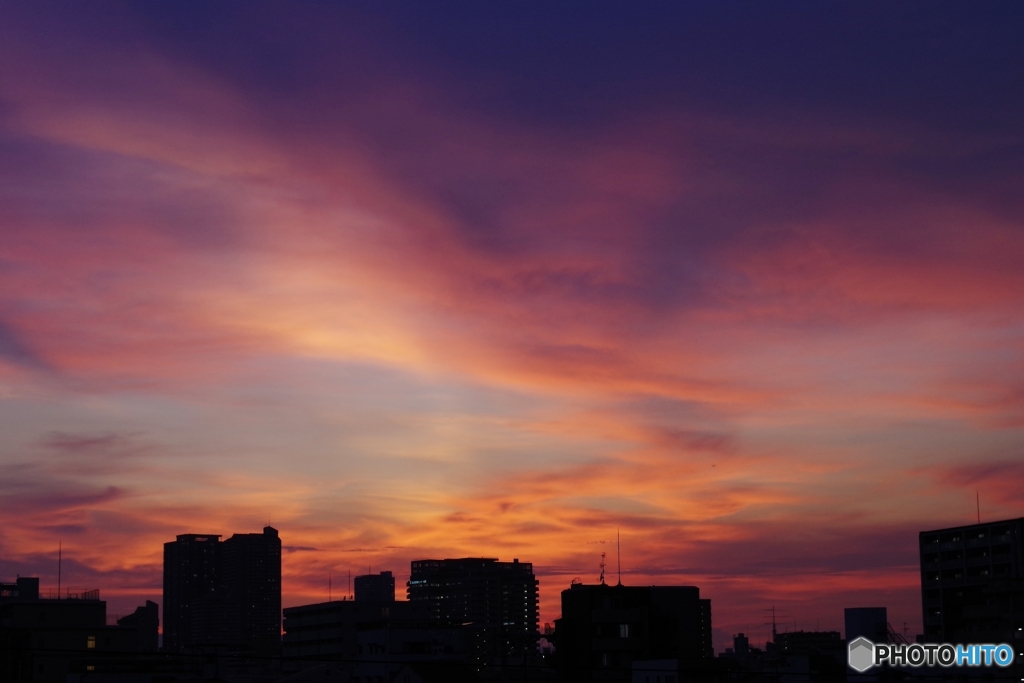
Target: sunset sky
x=744, y=281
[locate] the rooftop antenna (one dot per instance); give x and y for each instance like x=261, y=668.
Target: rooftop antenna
x=328, y=586
x=977, y=502
x=602, y=569
x=350, y=584
x=58, y=568
x=618, y=554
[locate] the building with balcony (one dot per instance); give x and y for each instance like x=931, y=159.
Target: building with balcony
x=496, y=603
x=972, y=581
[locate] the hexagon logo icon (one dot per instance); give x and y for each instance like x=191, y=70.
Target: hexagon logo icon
x=861, y=654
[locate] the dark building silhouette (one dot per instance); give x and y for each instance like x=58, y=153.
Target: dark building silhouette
x=376, y=587
x=223, y=596
x=46, y=639
x=146, y=622
x=604, y=629
x=495, y=601
x=369, y=639
x=972, y=582
x=741, y=655
x=740, y=645
x=866, y=622
x=23, y=588
x=192, y=565
x=804, y=642
x=252, y=589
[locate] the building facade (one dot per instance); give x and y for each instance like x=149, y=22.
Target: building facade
x=252, y=589
x=44, y=640
x=375, y=587
x=223, y=595
x=972, y=582
x=604, y=629
x=368, y=639
x=192, y=565
x=496, y=602
x=866, y=622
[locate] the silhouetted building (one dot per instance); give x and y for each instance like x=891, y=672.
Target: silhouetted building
x=741, y=654
x=866, y=622
x=192, y=566
x=604, y=629
x=376, y=587
x=45, y=639
x=24, y=588
x=223, y=596
x=805, y=642
x=495, y=601
x=740, y=645
x=252, y=587
x=972, y=582
x=146, y=622
x=369, y=639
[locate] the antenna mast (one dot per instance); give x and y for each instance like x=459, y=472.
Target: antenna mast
x=977, y=502
x=58, y=569
x=618, y=554
x=602, y=569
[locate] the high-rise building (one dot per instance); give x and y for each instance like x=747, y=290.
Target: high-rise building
x=252, y=587
x=223, y=594
x=192, y=565
x=375, y=587
x=604, y=629
x=495, y=601
x=972, y=582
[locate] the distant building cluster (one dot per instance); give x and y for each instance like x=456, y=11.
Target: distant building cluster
x=476, y=619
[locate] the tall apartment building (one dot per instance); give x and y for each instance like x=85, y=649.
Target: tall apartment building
x=223, y=594
x=495, y=601
x=972, y=582
x=191, y=575
x=252, y=586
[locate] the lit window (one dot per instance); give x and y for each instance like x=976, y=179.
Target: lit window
x=90, y=642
